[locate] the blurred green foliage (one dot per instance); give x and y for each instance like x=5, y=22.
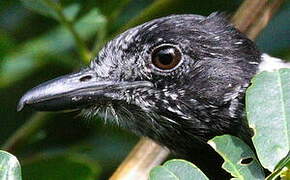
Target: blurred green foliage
x=37, y=43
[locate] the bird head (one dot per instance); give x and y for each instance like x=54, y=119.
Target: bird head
x=181, y=75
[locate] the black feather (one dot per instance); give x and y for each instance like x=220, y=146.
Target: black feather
x=202, y=98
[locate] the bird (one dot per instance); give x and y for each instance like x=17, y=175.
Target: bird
x=179, y=80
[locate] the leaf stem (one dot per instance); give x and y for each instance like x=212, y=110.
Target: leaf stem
x=28, y=129
x=82, y=49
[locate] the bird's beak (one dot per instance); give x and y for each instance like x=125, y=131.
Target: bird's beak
x=74, y=91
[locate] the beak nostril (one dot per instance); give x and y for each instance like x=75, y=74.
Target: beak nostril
x=86, y=78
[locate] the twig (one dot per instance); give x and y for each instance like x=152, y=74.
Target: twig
x=264, y=18
x=145, y=155
x=82, y=49
x=246, y=15
x=254, y=15
x=28, y=129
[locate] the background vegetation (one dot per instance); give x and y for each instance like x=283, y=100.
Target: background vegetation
x=42, y=39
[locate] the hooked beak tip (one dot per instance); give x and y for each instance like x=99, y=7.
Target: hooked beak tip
x=20, y=106
x=22, y=102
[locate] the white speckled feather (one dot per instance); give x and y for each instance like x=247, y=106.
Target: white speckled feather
x=270, y=63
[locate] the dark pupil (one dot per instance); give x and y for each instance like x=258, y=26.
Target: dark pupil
x=165, y=56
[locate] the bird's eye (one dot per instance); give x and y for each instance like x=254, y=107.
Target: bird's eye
x=166, y=57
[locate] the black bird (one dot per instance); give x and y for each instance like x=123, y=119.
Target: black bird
x=179, y=80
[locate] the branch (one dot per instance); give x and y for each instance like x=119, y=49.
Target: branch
x=27, y=130
x=264, y=19
x=254, y=15
x=145, y=155
x=247, y=14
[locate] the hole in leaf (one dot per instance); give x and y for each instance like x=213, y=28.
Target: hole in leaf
x=85, y=78
x=246, y=161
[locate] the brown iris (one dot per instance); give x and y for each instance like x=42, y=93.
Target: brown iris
x=166, y=57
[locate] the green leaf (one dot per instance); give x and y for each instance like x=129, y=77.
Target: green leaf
x=41, y=7
x=177, y=169
x=48, y=8
x=29, y=56
x=71, y=11
x=60, y=167
x=268, y=113
x=9, y=167
x=161, y=173
x=239, y=159
x=282, y=169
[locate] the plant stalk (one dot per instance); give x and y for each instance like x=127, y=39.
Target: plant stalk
x=82, y=49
